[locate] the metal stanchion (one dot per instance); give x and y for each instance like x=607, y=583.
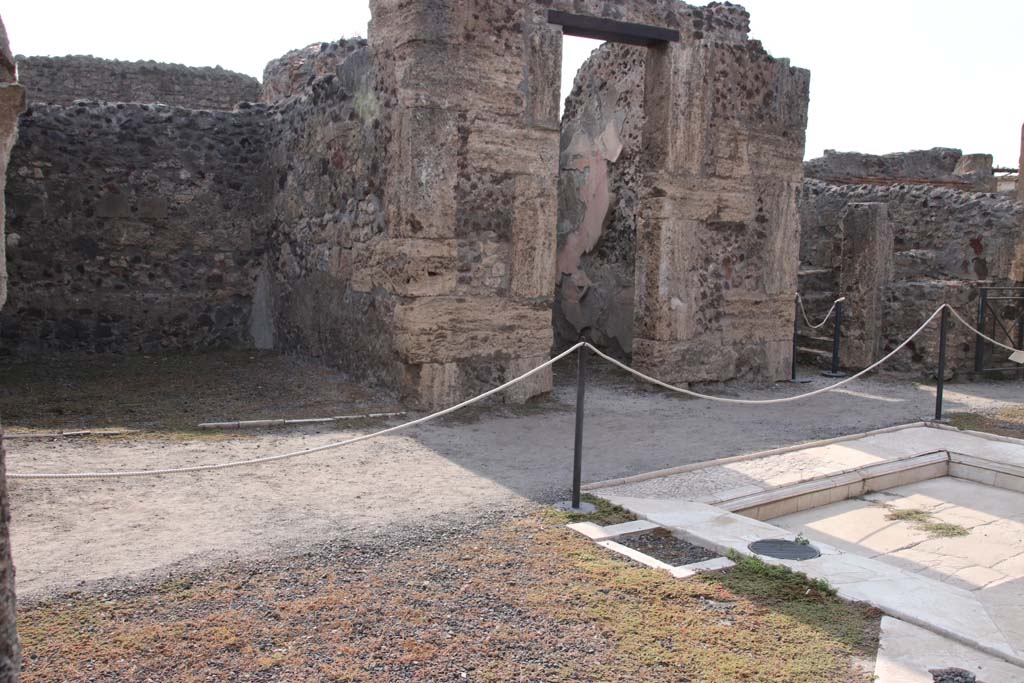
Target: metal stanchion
x=940, y=384
x=576, y=504
x=837, y=335
x=796, y=330
x=979, y=343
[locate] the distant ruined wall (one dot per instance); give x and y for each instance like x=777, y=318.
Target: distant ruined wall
x=940, y=167
x=678, y=201
x=945, y=244
x=62, y=80
x=133, y=227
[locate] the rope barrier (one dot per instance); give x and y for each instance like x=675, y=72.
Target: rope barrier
x=771, y=401
x=977, y=332
x=828, y=315
x=487, y=394
x=293, y=454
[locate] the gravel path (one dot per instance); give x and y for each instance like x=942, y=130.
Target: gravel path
x=69, y=532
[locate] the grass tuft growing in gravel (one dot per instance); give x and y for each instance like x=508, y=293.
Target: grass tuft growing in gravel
x=606, y=514
x=526, y=601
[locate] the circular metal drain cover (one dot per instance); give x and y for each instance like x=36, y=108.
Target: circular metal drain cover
x=784, y=550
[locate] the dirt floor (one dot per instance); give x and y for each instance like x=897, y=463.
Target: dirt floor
x=483, y=464
x=524, y=600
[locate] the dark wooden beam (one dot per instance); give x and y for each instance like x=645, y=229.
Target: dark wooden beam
x=611, y=30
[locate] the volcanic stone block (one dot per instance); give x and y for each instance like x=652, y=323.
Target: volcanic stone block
x=421, y=192
x=535, y=215
x=446, y=329
x=867, y=269
x=407, y=267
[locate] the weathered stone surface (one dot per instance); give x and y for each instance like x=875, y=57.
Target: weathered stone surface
x=445, y=329
x=946, y=244
x=677, y=202
x=292, y=73
x=977, y=169
x=12, y=103
x=62, y=80
x=866, y=271
x=133, y=228
x=936, y=166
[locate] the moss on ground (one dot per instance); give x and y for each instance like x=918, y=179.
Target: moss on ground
x=606, y=514
x=1005, y=422
x=526, y=601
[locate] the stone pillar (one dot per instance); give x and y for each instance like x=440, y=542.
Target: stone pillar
x=12, y=103
x=473, y=178
x=718, y=228
x=866, y=271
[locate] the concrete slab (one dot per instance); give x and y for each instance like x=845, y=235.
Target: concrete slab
x=907, y=653
x=988, y=562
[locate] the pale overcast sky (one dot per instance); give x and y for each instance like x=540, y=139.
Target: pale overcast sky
x=886, y=75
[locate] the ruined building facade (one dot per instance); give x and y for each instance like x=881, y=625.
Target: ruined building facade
x=394, y=207
x=899, y=235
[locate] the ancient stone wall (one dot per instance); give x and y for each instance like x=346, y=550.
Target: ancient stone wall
x=681, y=191
x=295, y=72
x=133, y=228
x=470, y=182
x=331, y=270
x=12, y=102
x=62, y=80
x=392, y=209
x=946, y=244
x=940, y=166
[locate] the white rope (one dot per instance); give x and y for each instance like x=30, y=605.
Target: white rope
x=293, y=454
x=827, y=315
x=977, y=332
x=447, y=411
x=788, y=399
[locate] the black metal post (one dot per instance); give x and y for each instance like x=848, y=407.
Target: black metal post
x=581, y=390
x=941, y=379
x=979, y=343
x=837, y=335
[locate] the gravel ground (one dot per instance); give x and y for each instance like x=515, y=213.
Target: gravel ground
x=662, y=545
x=520, y=599
x=67, y=534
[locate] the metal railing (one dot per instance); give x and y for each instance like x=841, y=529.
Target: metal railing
x=992, y=316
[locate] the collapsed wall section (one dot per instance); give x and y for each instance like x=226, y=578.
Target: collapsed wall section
x=62, y=80
x=132, y=227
